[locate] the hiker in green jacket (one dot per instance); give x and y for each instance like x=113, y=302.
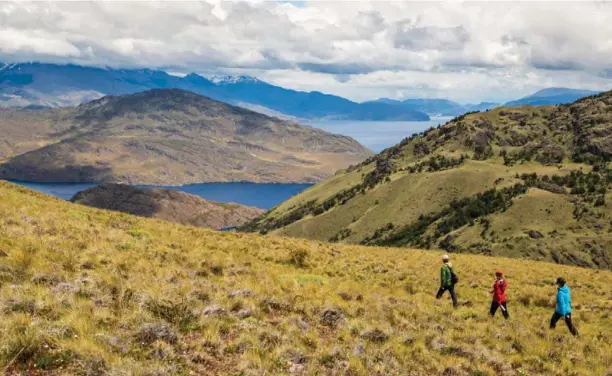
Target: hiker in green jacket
x=448, y=278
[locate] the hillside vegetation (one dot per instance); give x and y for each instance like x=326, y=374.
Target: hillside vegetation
x=526, y=182
x=166, y=137
x=85, y=291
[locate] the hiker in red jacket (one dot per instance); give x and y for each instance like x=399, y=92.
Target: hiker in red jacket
x=499, y=295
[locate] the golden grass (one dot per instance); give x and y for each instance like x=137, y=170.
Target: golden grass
x=86, y=291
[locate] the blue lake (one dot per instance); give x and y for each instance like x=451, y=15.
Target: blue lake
x=264, y=196
x=377, y=135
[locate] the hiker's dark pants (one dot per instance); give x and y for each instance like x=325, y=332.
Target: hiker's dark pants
x=568, y=321
x=451, y=290
x=495, y=305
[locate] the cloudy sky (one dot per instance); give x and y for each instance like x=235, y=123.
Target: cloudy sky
x=464, y=51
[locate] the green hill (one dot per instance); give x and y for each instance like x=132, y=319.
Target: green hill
x=526, y=182
x=85, y=291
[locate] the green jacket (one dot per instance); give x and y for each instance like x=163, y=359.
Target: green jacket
x=445, y=275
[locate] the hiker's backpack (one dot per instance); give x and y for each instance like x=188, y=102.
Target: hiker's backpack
x=454, y=277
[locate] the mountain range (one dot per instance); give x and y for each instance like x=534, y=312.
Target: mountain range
x=445, y=107
x=166, y=137
x=551, y=96
x=528, y=182
x=437, y=107
x=37, y=85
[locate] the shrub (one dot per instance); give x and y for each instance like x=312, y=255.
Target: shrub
x=179, y=314
x=150, y=333
x=299, y=257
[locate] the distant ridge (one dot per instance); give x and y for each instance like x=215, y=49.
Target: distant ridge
x=445, y=107
x=50, y=85
x=551, y=96
x=437, y=107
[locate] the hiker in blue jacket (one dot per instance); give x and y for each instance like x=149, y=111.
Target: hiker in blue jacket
x=564, y=307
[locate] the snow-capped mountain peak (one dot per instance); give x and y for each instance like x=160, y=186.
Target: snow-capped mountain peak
x=228, y=80
x=4, y=66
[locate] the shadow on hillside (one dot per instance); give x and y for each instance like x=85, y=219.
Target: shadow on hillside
x=28, y=172
x=119, y=197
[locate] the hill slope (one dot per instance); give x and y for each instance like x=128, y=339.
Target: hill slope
x=167, y=204
x=50, y=85
x=166, y=136
x=469, y=186
x=87, y=291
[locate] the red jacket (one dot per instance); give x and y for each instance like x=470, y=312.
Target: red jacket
x=499, y=291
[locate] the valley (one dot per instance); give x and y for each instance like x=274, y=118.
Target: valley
x=527, y=182
x=305, y=188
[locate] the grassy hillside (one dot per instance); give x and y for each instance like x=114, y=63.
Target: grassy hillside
x=87, y=291
x=469, y=186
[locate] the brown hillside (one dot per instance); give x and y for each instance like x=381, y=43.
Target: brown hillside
x=163, y=137
x=167, y=204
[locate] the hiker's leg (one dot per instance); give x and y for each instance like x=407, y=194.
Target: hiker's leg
x=493, y=309
x=453, y=295
x=440, y=292
x=570, y=326
x=554, y=319
x=505, y=311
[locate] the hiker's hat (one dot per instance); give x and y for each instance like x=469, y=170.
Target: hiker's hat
x=445, y=258
x=499, y=272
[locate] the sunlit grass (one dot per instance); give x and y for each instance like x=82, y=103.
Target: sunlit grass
x=85, y=291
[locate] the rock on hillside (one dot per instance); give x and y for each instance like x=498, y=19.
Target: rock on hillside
x=481, y=183
x=166, y=137
x=167, y=204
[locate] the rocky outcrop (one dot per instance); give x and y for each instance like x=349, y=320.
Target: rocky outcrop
x=166, y=204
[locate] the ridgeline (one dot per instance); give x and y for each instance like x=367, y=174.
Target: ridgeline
x=528, y=182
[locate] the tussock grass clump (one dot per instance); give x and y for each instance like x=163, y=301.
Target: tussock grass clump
x=182, y=300
x=298, y=257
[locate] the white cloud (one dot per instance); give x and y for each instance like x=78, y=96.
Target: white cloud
x=362, y=50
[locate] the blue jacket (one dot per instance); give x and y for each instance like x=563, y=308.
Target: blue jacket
x=564, y=302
